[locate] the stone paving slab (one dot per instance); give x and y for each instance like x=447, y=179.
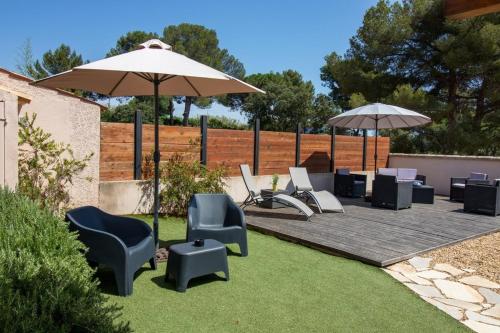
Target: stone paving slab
x=473, y=300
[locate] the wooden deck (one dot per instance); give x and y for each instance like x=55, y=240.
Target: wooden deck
x=375, y=236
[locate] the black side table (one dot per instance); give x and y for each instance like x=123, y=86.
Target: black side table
x=423, y=194
x=267, y=195
x=186, y=261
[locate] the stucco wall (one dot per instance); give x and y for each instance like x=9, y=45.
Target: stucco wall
x=134, y=197
x=440, y=168
x=69, y=120
x=8, y=139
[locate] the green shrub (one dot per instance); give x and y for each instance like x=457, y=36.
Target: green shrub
x=45, y=282
x=46, y=167
x=180, y=179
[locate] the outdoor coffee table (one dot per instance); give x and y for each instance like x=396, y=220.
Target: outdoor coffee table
x=186, y=261
x=267, y=195
x=423, y=194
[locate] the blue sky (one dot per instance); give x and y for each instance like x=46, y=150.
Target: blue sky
x=264, y=35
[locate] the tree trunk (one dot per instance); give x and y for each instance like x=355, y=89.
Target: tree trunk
x=187, y=109
x=480, y=106
x=171, y=111
x=452, y=110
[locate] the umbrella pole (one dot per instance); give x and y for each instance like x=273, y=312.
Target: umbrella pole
x=157, y=162
x=376, y=142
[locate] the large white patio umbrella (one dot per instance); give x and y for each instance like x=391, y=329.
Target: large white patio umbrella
x=377, y=116
x=153, y=69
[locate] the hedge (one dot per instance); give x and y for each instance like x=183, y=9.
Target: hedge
x=46, y=284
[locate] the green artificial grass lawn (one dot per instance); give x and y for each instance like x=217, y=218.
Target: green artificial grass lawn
x=279, y=287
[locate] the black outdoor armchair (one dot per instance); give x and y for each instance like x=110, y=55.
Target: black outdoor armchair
x=482, y=198
x=388, y=192
x=217, y=216
x=122, y=243
x=457, y=184
x=349, y=185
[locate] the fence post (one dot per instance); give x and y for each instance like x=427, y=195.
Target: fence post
x=332, y=149
x=203, y=145
x=137, y=144
x=365, y=144
x=297, y=144
x=256, y=146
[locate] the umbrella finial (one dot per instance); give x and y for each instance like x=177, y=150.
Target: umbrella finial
x=155, y=44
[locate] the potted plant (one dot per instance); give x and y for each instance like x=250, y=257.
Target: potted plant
x=275, y=182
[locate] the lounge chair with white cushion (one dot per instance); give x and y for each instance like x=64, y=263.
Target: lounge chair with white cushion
x=324, y=200
x=255, y=197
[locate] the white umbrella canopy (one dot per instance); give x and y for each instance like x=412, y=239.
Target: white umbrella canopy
x=131, y=74
x=376, y=116
x=152, y=70
x=379, y=115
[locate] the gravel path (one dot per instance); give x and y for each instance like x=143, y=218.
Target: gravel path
x=481, y=254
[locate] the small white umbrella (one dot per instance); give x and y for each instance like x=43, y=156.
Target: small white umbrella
x=377, y=116
x=153, y=69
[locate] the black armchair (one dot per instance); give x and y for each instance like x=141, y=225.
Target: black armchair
x=457, y=184
x=216, y=216
x=387, y=192
x=349, y=185
x=122, y=243
x=482, y=198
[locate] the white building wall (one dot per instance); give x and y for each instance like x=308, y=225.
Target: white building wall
x=440, y=168
x=70, y=120
x=8, y=139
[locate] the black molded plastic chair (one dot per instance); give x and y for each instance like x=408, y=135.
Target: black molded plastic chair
x=217, y=216
x=349, y=185
x=388, y=192
x=122, y=243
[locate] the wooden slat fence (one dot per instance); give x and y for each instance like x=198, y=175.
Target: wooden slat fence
x=117, y=147
x=232, y=148
x=229, y=148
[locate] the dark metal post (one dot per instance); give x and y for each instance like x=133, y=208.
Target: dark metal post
x=376, y=142
x=365, y=143
x=332, y=149
x=297, y=144
x=156, y=206
x=256, y=146
x=137, y=144
x=203, y=146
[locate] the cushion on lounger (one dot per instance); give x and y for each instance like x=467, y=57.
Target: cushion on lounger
x=478, y=176
x=344, y=171
x=406, y=174
x=388, y=171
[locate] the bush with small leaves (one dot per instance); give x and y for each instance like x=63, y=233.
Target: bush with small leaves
x=46, y=284
x=180, y=179
x=46, y=167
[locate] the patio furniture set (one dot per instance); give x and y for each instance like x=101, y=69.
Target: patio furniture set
x=393, y=188
x=124, y=244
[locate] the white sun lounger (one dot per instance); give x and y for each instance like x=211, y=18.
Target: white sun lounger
x=255, y=197
x=324, y=200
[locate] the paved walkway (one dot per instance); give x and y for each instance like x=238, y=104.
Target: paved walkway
x=459, y=292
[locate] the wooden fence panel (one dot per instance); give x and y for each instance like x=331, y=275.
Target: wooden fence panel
x=229, y=148
x=232, y=148
x=315, y=152
x=117, y=147
x=277, y=152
